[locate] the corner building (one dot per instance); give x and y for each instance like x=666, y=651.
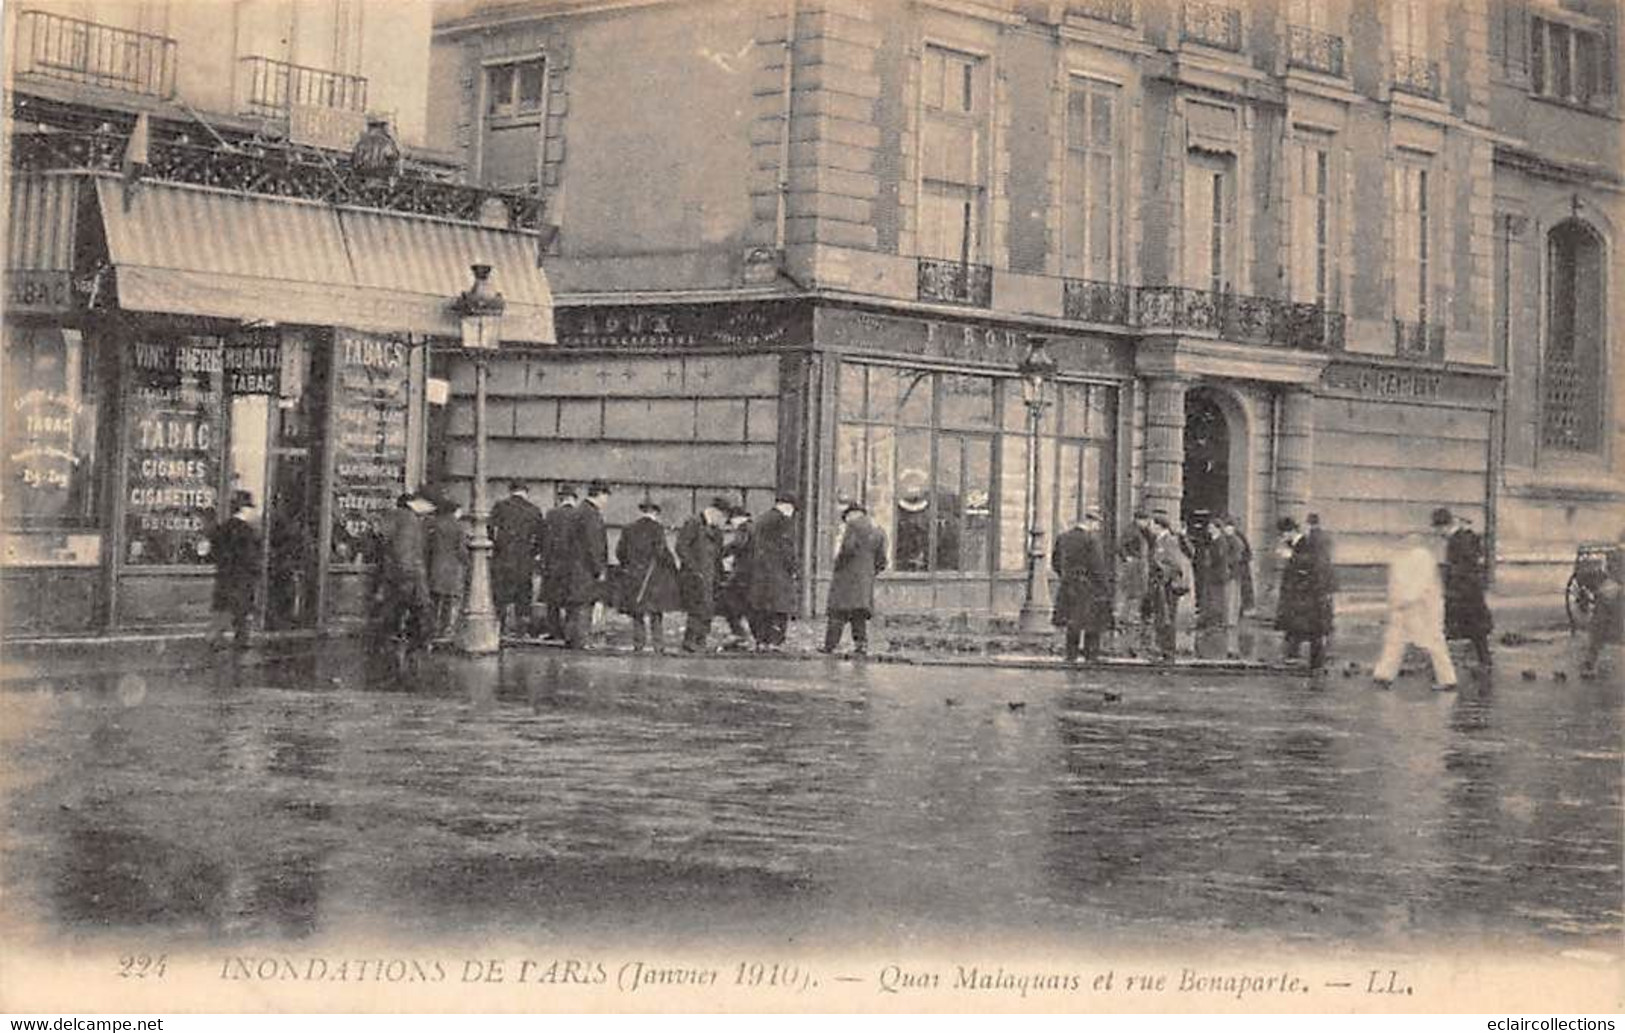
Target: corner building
x=800, y=245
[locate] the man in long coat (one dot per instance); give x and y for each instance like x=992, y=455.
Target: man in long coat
x=448, y=564
x=773, y=572
x=1134, y=558
x=557, y=541
x=1168, y=581
x=860, y=555
x=516, y=544
x=586, y=564
x=1084, y=604
x=649, y=576
x=699, y=557
x=1466, y=614
x=1308, y=582
x=733, y=594
x=405, y=573
x=1238, y=593
x=234, y=546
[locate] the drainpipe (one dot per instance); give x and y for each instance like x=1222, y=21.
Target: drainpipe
x=782, y=210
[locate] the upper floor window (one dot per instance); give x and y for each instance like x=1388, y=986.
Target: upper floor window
x=515, y=89
x=1089, y=237
x=1569, y=63
x=1412, y=244
x=953, y=156
x=1210, y=221
x=1572, y=375
x=1314, y=214
x=1410, y=27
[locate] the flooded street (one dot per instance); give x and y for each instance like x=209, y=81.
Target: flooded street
x=678, y=801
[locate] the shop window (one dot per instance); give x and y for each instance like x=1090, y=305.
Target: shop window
x=953, y=156
x=1089, y=237
x=51, y=469
x=1573, y=377
x=176, y=433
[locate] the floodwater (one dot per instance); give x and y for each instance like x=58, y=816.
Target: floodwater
x=680, y=800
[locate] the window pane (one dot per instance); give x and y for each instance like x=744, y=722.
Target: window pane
x=530, y=85
x=1102, y=411
x=1537, y=56
x=1076, y=214
x=913, y=506
x=850, y=402
x=1077, y=116
x=912, y=393
x=851, y=445
x=1561, y=86
x=1101, y=118
x=878, y=487
x=1015, y=410
x=1090, y=481
x=948, y=503
x=1012, y=502
x=931, y=88
x=499, y=88
x=967, y=402
x=1066, y=488
x=50, y=429
x=976, y=514
x=1100, y=217
x=1071, y=415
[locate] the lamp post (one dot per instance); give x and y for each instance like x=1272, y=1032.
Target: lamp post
x=1037, y=369
x=479, y=632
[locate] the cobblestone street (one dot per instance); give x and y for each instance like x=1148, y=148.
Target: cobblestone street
x=677, y=800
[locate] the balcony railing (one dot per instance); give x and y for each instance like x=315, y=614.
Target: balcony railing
x=1240, y=317
x=1114, y=12
x=1419, y=340
x=50, y=46
x=1315, y=50
x=272, y=87
x=278, y=171
x=1416, y=74
x=1091, y=301
x=1217, y=25
x=957, y=283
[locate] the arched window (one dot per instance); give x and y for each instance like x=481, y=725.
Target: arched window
x=1573, y=376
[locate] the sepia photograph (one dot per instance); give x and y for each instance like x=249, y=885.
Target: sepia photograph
x=737, y=506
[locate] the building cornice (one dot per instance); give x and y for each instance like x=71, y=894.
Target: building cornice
x=528, y=11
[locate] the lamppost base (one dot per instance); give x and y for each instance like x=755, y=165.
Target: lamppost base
x=1034, y=622
x=479, y=635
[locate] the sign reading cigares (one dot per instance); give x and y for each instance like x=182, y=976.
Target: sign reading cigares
x=369, y=443
x=175, y=433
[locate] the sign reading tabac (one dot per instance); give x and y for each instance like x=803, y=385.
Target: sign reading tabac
x=369, y=435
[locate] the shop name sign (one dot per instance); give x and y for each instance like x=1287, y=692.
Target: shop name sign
x=1399, y=384
x=656, y=326
x=959, y=341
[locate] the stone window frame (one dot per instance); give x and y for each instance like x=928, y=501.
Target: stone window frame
x=1539, y=77
x=984, y=78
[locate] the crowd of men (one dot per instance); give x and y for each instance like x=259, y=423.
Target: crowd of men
x=549, y=570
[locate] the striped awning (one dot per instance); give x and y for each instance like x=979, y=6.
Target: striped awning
x=42, y=221
x=201, y=251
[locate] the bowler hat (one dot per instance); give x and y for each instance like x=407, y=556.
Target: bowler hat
x=566, y=490
x=1442, y=517
x=597, y=488
x=648, y=506
x=787, y=496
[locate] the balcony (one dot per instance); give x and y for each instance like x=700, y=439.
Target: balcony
x=1240, y=317
x=1091, y=301
x=273, y=87
x=282, y=171
x=1112, y=12
x=49, y=46
x=1314, y=50
x=1215, y=25
x=955, y=283
x=1416, y=74
x=1419, y=340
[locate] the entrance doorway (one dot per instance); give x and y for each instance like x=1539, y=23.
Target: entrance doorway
x=1207, y=459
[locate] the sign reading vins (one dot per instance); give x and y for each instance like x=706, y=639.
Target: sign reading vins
x=173, y=473
x=369, y=436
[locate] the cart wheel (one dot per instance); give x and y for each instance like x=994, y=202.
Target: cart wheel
x=1578, y=601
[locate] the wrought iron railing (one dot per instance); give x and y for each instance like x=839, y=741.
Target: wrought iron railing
x=1416, y=74
x=1217, y=25
x=1315, y=50
x=1115, y=12
x=280, y=171
x=1240, y=317
x=1419, y=340
x=271, y=87
x=50, y=46
x=958, y=283
x=1091, y=301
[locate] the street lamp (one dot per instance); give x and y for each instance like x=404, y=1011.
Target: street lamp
x=480, y=308
x=1037, y=369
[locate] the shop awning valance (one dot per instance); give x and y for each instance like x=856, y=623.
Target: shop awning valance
x=198, y=251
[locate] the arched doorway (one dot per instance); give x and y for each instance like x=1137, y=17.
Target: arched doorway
x=1207, y=478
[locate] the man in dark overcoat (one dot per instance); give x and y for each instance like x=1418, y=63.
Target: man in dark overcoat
x=586, y=565
x=699, y=557
x=1465, y=572
x=234, y=545
x=557, y=539
x=733, y=594
x=648, y=577
x=448, y=564
x=1084, y=603
x=405, y=573
x=516, y=545
x=1308, y=582
x=860, y=555
x=773, y=572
